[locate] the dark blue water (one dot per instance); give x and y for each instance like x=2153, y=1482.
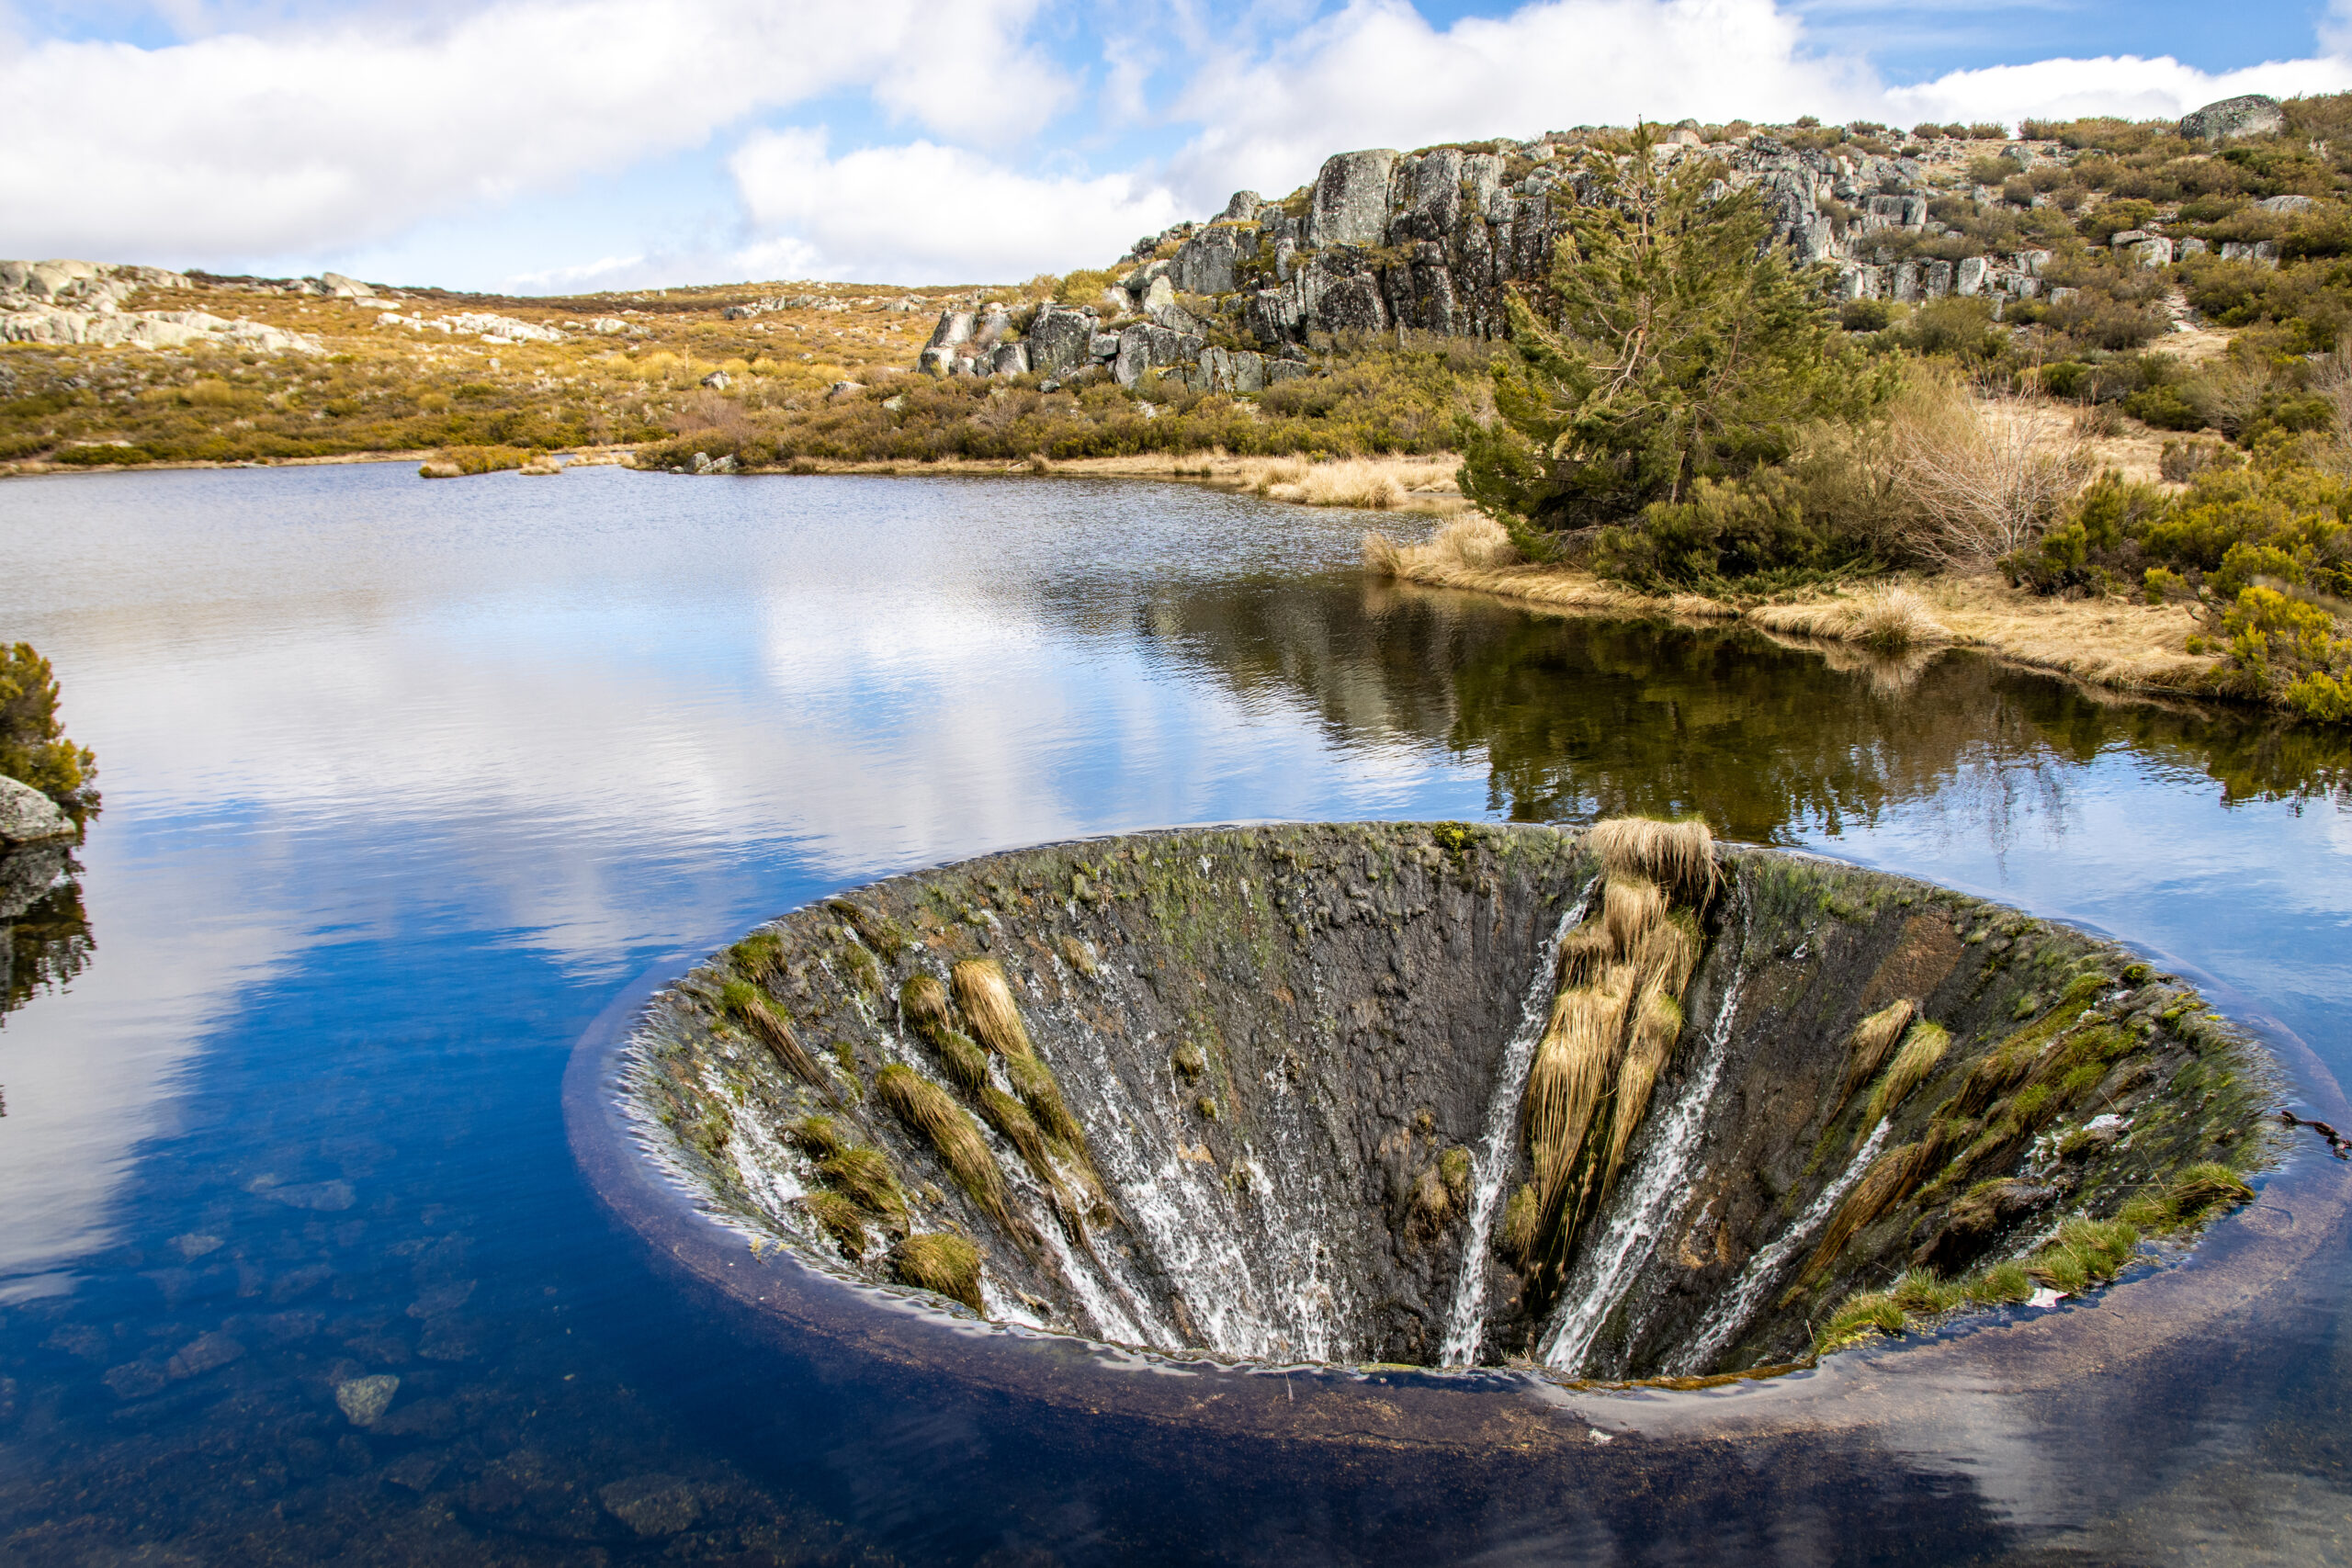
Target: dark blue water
x=405, y=781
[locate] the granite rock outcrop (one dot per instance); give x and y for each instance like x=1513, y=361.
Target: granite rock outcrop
x=1435, y=242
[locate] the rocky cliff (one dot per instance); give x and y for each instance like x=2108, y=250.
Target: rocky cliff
x=83, y=302
x=1434, y=240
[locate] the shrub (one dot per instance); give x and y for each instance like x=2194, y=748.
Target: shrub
x=458, y=460
x=1956, y=327
x=1683, y=350
x=1986, y=479
x=33, y=747
x=1865, y=315
x=2278, y=516
x=2181, y=461
x=1727, y=529
x=2294, y=652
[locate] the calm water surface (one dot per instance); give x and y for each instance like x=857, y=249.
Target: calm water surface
x=404, y=782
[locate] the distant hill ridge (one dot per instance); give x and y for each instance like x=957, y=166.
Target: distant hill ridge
x=1431, y=242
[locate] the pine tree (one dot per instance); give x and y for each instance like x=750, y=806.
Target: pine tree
x=1680, y=348
x=33, y=748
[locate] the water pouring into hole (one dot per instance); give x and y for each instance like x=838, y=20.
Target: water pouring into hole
x=1617, y=1104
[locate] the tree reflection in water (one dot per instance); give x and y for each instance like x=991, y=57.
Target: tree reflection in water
x=45, y=933
x=1770, y=739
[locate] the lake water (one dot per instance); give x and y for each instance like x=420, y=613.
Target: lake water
x=405, y=781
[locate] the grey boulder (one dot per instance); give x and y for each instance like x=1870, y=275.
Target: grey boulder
x=1350, y=203
x=2252, y=115
x=28, y=816
x=1059, y=340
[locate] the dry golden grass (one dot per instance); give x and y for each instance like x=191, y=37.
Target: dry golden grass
x=1665, y=953
x=937, y=1261
x=1469, y=553
x=842, y=1219
x=1574, y=1066
x=1012, y=1120
x=1043, y=1092
x=922, y=1002
x=1630, y=907
x=774, y=1031
x=931, y=1113
x=1889, y=618
x=1584, y=954
x=987, y=1001
x=1922, y=1048
x=2116, y=644
x=1676, y=855
x=1880, y=1188
x=865, y=1175
x=966, y=1064
x=1614, y=1027
x=1875, y=1036
x=1657, y=1024
x=1378, y=484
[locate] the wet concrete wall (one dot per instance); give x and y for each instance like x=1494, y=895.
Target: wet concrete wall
x=1288, y=1053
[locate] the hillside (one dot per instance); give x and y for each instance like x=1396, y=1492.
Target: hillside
x=2093, y=261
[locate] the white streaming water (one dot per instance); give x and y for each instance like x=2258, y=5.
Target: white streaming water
x=1660, y=1183
x=1273, y=1296
x=1465, y=1320
x=1730, y=1313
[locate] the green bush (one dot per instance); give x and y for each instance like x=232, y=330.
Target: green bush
x=2293, y=652
x=1681, y=350
x=1727, y=530
x=96, y=456
x=33, y=747
x=1865, y=315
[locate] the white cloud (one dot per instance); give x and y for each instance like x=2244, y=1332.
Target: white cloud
x=602, y=271
x=1378, y=75
x=268, y=136
x=2117, y=85
x=924, y=213
x=320, y=138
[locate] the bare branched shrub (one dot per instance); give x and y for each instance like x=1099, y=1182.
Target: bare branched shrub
x=2331, y=378
x=2097, y=421
x=1983, y=477
x=2235, y=387
x=709, y=415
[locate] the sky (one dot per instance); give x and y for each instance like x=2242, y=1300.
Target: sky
x=566, y=146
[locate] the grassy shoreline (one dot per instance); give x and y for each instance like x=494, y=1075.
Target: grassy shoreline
x=2110, y=644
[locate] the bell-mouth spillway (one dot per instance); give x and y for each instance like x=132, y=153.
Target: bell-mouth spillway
x=1452, y=1107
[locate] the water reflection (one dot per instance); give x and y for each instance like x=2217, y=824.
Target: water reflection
x=1772, y=739
x=405, y=780
x=44, y=934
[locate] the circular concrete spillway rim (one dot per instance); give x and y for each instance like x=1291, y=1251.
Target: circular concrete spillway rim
x=2135, y=1326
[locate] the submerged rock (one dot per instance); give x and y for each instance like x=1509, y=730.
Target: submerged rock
x=363, y=1401
x=1619, y=1102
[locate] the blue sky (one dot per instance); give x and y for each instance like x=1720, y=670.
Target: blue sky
x=555, y=145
